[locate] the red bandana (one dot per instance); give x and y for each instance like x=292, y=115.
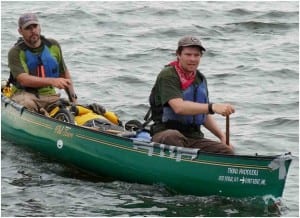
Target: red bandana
x=186, y=78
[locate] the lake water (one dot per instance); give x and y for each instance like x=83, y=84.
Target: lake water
x=114, y=51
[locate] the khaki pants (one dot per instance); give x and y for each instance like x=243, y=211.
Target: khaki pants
x=174, y=137
x=34, y=103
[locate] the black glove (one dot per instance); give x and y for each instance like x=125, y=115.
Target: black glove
x=97, y=108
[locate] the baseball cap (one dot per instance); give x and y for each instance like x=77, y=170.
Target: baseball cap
x=27, y=19
x=190, y=41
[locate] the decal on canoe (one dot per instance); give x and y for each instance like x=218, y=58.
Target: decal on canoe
x=242, y=171
x=60, y=144
x=242, y=176
x=63, y=131
x=242, y=180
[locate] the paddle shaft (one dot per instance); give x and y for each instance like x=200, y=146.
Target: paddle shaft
x=227, y=129
x=70, y=96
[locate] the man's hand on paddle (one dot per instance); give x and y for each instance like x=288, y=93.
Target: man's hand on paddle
x=223, y=109
x=61, y=83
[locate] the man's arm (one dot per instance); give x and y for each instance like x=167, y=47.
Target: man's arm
x=70, y=89
x=66, y=74
x=37, y=82
x=212, y=126
x=182, y=107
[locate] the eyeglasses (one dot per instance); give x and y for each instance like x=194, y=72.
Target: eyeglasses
x=31, y=26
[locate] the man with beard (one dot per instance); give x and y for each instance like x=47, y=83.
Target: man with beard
x=37, y=67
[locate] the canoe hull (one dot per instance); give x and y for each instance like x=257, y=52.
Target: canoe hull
x=184, y=171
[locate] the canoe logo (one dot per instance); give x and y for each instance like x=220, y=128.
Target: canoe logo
x=64, y=131
x=59, y=144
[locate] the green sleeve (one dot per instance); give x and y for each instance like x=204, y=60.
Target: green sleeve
x=168, y=85
x=16, y=61
x=56, y=52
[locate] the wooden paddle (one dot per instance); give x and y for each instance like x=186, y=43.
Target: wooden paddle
x=227, y=129
x=70, y=96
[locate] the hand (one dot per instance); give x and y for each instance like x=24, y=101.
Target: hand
x=61, y=83
x=231, y=146
x=74, y=100
x=223, y=109
x=223, y=140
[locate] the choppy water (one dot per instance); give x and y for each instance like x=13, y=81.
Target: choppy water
x=115, y=50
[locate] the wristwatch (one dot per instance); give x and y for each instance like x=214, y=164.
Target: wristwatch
x=210, y=110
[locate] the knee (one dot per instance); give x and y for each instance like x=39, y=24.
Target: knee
x=26, y=100
x=170, y=137
x=171, y=134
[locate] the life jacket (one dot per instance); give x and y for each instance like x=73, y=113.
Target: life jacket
x=164, y=114
x=195, y=93
x=41, y=65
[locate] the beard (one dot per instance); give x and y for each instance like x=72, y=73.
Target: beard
x=34, y=40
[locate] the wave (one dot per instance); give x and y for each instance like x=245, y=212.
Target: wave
x=240, y=11
x=256, y=26
x=280, y=121
x=279, y=14
x=127, y=79
x=262, y=14
x=284, y=73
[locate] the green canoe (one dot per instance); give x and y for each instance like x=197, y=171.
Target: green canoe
x=182, y=170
